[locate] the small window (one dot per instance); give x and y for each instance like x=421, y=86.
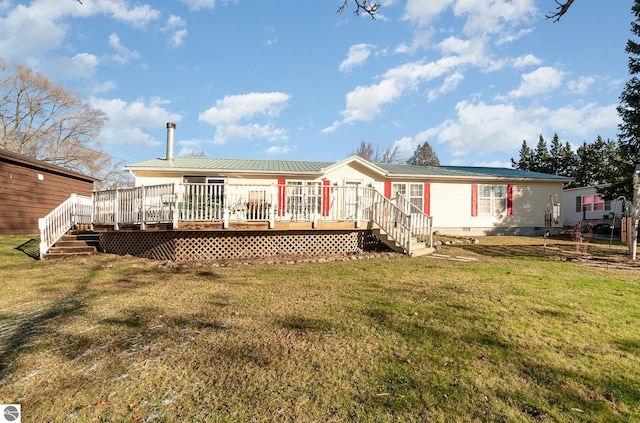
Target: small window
x=492, y=200
x=591, y=203
x=414, y=192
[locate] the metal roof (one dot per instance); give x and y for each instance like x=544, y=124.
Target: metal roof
x=241, y=165
x=468, y=172
x=294, y=166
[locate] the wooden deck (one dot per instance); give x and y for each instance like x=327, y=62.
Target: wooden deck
x=311, y=213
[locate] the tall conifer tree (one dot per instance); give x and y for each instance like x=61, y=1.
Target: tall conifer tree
x=629, y=110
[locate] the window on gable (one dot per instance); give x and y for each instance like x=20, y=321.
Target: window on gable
x=492, y=199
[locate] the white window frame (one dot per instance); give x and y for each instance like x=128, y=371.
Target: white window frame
x=492, y=199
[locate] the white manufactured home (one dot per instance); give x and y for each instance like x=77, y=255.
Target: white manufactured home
x=461, y=200
x=585, y=204
x=187, y=208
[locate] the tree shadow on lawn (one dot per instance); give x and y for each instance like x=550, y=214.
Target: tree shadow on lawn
x=476, y=345
x=23, y=331
x=555, y=248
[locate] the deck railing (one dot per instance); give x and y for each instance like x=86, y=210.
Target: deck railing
x=390, y=218
x=131, y=206
x=75, y=210
x=421, y=224
x=295, y=202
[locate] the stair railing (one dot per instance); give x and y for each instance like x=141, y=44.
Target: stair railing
x=422, y=224
x=390, y=218
x=76, y=209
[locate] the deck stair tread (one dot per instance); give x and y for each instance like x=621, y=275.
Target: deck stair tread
x=75, y=244
x=419, y=248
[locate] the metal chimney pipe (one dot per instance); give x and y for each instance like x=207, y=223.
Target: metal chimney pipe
x=171, y=129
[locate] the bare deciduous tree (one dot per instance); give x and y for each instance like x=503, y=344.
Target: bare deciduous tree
x=561, y=10
x=48, y=122
x=365, y=5
x=367, y=151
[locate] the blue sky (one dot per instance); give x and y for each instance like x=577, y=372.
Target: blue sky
x=294, y=81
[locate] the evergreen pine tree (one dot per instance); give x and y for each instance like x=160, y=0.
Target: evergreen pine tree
x=526, y=155
x=424, y=156
x=541, y=157
x=629, y=110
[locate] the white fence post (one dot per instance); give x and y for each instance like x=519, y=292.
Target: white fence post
x=175, y=212
x=225, y=210
x=358, y=208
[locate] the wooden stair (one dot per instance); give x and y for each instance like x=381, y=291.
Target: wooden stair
x=418, y=248
x=74, y=244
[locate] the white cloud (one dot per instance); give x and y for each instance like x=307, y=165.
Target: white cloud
x=481, y=130
x=177, y=27
x=422, y=12
x=200, y=4
x=358, y=54
x=540, y=81
x=25, y=33
x=227, y=114
x=174, y=21
x=29, y=32
x=129, y=120
x=177, y=39
x=493, y=16
x=139, y=16
x=526, y=60
x=189, y=147
x=80, y=66
x=581, y=85
x=365, y=103
x=123, y=54
x=278, y=150
x=450, y=84
x=405, y=147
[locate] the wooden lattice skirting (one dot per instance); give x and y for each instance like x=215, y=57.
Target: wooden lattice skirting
x=223, y=245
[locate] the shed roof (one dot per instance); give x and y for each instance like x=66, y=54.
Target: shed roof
x=26, y=161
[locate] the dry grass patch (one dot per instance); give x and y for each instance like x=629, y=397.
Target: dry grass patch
x=510, y=337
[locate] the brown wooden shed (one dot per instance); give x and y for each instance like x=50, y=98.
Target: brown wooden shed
x=30, y=189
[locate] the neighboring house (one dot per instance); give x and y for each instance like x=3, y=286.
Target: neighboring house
x=462, y=200
x=584, y=203
x=30, y=189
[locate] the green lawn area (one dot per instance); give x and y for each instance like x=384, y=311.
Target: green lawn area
x=517, y=334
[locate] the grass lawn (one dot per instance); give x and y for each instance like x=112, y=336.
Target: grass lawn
x=517, y=335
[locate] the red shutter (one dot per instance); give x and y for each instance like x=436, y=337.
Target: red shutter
x=474, y=200
x=509, y=200
x=387, y=189
x=326, y=197
x=427, y=198
x=282, y=196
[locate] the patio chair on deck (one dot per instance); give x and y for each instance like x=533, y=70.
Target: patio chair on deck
x=238, y=210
